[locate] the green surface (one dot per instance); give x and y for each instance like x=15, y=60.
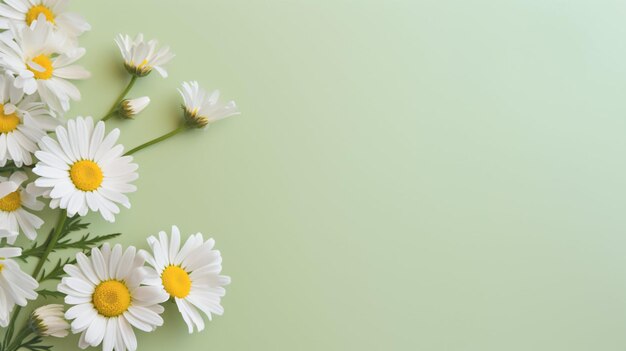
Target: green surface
x=406, y=175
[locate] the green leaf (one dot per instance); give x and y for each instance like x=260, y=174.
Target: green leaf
x=34, y=344
x=74, y=224
x=35, y=250
x=86, y=242
x=45, y=293
x=57, y=272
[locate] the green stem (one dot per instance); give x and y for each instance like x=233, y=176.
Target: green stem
x=51, y=243
x=52, y=240
x=107, y=117
x=9, y=334
x=17, y=343
x=120, y=98
x=156, y=140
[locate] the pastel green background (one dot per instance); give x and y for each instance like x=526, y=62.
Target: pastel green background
x=406, y=175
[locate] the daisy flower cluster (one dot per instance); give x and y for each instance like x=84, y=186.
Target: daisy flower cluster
x=74, y=166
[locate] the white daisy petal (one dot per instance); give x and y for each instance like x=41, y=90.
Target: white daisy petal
x=95, y=332
x=127, y=334
x=110, y=335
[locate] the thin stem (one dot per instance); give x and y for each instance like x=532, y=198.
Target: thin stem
x=17, y=343
x=51, y=243
x=120, y=98
x=9, y=334
x=52, y=240
x=107, y=117
x=156, y=140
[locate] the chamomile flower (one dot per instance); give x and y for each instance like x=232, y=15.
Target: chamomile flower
x=42, y=62
x=85, y=170
x=141, y=57
x=15, y=286
x=14, y=216
x=108, y=298
x=190, y=275
x=202, y=108
x=49, y=320
x=23, y=13
x=23, y=122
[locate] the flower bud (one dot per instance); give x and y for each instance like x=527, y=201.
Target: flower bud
x=132, y=107
x=49, y=320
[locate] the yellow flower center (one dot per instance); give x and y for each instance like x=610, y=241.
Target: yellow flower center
x=86, y=175
x=8, y=123
x=176, y=281
x=45, y=62
x=111, y=298
x=35, y=11
x=1, y=267
x=11, y=202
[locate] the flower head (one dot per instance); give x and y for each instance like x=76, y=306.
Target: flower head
x=109, y=299
x=49, y=320
x=201, y=108
x=23, y=13
x=190, y=275
x=132, y=107
x=85, y=170
x=16, y=287
x=141, y=57
x=24, y=120
x=42, y=62
x=13, y=214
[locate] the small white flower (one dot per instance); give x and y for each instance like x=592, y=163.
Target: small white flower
x=42, y=62
x=13, y=214
x=49, y=320
x=109, y=300
x=23, y=13
x=202, y=108
x=141, y=57
x=15, y=286
x=132, y=107
x=23, y=122
x=190, y=275
x=85, y=170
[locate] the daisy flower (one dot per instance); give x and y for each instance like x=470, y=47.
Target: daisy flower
x=42, y=62
x=13, y=214
x=15, y=286
x=190, y=275
x=23, y=122
x=24, y=12
x=49, y=320
x=109, y=300
x=202, y=108
x=85, y=170
x=141, y=57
